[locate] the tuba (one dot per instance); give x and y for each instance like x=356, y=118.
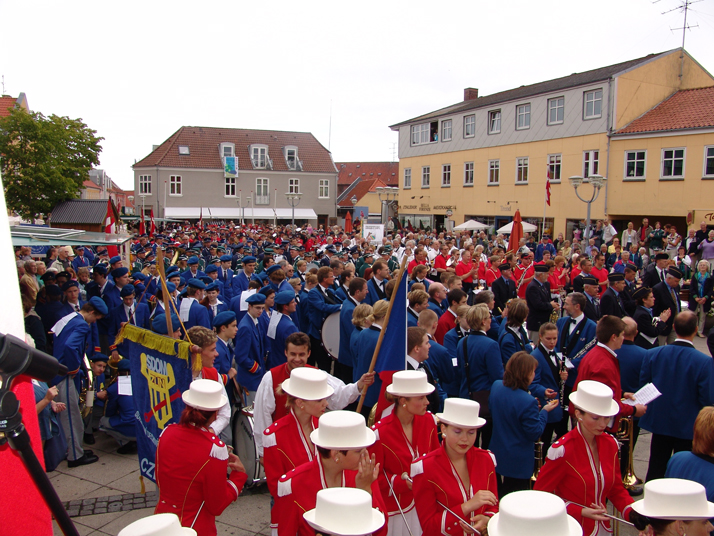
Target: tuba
x=625, y=434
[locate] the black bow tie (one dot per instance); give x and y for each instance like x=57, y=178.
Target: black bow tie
x=573, y=321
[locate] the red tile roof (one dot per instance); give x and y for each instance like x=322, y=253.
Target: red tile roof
x=7, y=103
x=360, y=190
x=90, y=184
x=204, y=148
x=684, y=110
x=348, y=172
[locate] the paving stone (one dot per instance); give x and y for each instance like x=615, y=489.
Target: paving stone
x=75, y=503
x=101, y=504
x=86, y=512
x=127, y=508
x=114, y=507
x=100, y=511
x=114, y=498
x=73, y=512
x=87, y=502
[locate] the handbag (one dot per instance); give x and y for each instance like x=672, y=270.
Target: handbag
x=478, y=396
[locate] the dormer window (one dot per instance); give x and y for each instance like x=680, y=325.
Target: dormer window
x=183, y=149
x=227, y=149
x=259, y=157
x=291, y=157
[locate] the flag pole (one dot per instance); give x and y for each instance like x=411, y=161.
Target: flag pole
x=382, y=331
x=545, y=197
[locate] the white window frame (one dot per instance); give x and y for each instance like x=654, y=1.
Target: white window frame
x=494, y=171
x=407, y=178
x=145, y=185
x=708, y=148
x=228, y=146
x=289, y=149
x=522, y=164
x=684, y=162
x=324, y=189
x=591, y=163
x=553, y=105
x=446, y=127
x=494, y=122
x=555, y=161
x=256, y=158
x=293, y=186
x=446, y=175
x=421, y=133
x=426, y=174
x=625, y=176
x=523, y=111
x=184, y=150
x=470, y=121
x=591, y=97
x=229, y=187
x=175, y=186
x=468, y=174
x=262, y=184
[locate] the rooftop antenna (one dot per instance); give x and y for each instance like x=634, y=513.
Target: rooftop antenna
x=3, y=84
x=394, y=152
x=682, y=8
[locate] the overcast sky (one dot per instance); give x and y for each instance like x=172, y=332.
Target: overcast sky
x=137, y=71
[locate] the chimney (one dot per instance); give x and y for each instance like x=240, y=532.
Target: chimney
x=470, y=93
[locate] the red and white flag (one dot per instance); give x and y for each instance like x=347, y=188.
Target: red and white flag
x=110, y=227
x=200, y=219
x=152, y=228
x=547, y=186
x=142, y=225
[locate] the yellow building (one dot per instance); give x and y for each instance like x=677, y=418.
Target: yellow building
x=485, y=157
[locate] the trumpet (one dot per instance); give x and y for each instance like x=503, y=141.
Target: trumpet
x=625, y=434
x=538, y=461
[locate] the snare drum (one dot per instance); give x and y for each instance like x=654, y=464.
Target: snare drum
x=331, y=334
x=245, y=448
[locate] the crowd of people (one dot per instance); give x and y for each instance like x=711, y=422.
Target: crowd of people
x=511, y=348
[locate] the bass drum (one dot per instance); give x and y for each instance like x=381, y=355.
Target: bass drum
x=245, y=448
x=331, y=334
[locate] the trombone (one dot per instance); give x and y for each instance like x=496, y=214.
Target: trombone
x=625, y=434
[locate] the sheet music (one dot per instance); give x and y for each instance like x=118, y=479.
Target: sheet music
x=124, y=384
x=644, y=396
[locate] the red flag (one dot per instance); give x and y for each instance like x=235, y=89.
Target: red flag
x=142, y=226
x=152, y=228
x=200, y=219
x=110, y=227
x=547, y=186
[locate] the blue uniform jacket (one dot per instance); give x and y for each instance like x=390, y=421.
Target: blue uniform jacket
x=374, y=294
x=517, y=425
x=442, y=367
x=366, y=343
x=587, y=334
x=197, y=316
x=690, y=466
x=239, y=283
x=303, y=318
x=412, y=318
x=71, y=344
x=354, y=337
x=224, y=360
x=683, y=375
x=141, y=319
x=346, y=329
x=276, y=352
x=249, y=354
x=226, y=277
x=341, y=293
x=484, y=363
x=235, y=307
x=222, y=306
x=112, y=299
x=544, y=379
x=630, y=357
x=120, y=410
x=438, y=308
x=317, y=310
x=451, y=341
x=510, y=345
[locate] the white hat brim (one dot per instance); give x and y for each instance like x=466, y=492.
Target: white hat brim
x=392, y=392
x=369, y=439
x=479, y=421
x=614, y=408
x=186, y=397
x=369, y=526
x=574, y=528
x=639, y=507
x=327, y=392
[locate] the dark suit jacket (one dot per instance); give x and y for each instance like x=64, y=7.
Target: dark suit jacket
x=628, y=300
x=644, y=326
x=663, y=300
x=539, y=306
x=591, y=311
x=502, y=291
x=611, y=304
x=651, y=277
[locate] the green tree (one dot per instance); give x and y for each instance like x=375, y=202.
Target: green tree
x=44, y=160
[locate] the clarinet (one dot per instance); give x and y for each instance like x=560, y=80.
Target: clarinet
x=562, y=384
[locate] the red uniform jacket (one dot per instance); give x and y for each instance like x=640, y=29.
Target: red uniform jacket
x=518, y=277
x=297, y=493
x=191, y=467
x=285, y=447
x=492, y=274
x=446, y=323
x=570, y=473
x=436, y=479
x=395, y=456
x=280, y=374
x=601, y=366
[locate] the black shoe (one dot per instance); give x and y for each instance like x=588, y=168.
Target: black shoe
x=89, y=439
x=84, y=460
x=129, y=448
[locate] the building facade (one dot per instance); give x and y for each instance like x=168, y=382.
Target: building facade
x=234, y=174
x=485, y=157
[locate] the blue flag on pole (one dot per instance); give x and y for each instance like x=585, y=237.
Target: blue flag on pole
x=393, y=352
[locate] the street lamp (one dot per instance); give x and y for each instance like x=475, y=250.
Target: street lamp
x=293, y=200
x=354, y=200
x=597, y=182
x=386, y=195
x=242, y=208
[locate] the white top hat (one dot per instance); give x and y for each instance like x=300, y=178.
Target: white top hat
x=595, y=397
x=674, y=498
x=157, y=525
x=341, y=430
x=205, y=394
x=461, y=412
x=308, y=384
x=410, y=383
x=344, y=512
x=535, y=513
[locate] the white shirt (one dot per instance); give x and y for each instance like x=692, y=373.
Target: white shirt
x=577, y=319
x=223, y=418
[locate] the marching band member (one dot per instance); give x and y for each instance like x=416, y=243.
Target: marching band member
x=648, y=327
x=457, y=475
x=342, y=460
x=280, y=327
x=513, y=338
x=582, y=466
x=403, y=436
x=517, y=423
x=250, y=350
x=192, y=462
x=575, y=332
x=286, y=443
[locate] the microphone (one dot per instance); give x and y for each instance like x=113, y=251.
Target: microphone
x=17, y=357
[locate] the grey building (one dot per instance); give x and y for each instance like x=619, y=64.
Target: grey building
x=232, y=173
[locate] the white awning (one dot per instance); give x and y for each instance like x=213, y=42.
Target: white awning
x=235, y=213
